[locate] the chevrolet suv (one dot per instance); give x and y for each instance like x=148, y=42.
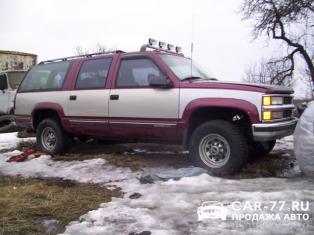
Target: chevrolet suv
x=153, y=95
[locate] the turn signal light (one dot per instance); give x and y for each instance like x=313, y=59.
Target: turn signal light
x=267, y=115
x=266, y=100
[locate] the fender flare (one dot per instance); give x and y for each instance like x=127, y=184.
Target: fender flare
x=246, y=107
x=51, y=106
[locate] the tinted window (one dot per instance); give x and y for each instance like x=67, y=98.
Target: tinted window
x=3, y=82
x=137, y=73
x=15, y=79
x=93, y=74
x=45, y=77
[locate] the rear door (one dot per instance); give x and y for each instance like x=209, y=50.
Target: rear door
x=135, y=108
x=88, y=101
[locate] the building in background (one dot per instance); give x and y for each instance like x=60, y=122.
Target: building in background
x=13, y=60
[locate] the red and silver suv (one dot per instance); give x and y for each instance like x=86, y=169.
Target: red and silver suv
x=155, y=95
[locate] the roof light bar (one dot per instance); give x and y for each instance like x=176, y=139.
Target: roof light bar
x=161, y=46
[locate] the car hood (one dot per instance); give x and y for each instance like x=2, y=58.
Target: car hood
x=269, y=89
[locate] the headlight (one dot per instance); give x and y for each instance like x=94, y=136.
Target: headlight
x=272, y=100
x=276, y=100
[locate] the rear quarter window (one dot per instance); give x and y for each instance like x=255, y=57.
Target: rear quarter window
x=45, y=77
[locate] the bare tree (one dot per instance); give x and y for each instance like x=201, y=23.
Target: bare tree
x=287, y=21
x=98, y=48
x=276, y=72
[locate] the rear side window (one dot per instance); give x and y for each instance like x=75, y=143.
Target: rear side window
x=93, y=74
x=45, y=77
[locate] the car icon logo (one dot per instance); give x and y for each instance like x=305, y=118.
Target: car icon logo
x=211, y=210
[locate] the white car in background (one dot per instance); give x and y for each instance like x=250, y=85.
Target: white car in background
x=9, y=82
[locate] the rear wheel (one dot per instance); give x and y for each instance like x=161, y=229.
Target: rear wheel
x=219, y=147
x=51, y=138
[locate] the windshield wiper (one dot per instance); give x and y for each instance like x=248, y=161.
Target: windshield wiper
x=191, y=78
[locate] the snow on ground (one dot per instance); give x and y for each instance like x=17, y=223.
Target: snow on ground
x=168, y=205
x=11, y=140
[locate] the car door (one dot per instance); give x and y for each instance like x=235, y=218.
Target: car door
x=4, y=94
x=137, y=109
x=88, y=101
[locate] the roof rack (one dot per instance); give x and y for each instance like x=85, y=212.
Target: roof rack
x=81, y=56
x=162, y=46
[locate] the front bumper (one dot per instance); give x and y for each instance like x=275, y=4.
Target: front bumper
x=272, y=131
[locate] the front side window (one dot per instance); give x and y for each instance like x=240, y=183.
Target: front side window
x=138, y=73
x=45, y=77
x=93, y=74
x=184, y=68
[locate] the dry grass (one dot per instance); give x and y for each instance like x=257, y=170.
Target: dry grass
x=124, y=155
x=25, y=145
x=25, y=134
x=270, y=165
x=26, y=203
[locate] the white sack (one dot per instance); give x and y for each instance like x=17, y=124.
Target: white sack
x=304, y=140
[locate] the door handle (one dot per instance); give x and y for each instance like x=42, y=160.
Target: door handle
x=114, y=97
x=72, y=97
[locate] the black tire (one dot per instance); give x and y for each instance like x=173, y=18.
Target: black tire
x=61, y=138
x=258, y=149
x=232, y=145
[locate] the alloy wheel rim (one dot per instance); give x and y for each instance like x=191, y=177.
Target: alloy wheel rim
x=49, y=138
x=214, y=150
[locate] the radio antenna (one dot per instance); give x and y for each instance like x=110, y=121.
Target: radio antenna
x=192, y=45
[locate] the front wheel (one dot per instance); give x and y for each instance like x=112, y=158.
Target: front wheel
x=219, y=147
x=51, y=138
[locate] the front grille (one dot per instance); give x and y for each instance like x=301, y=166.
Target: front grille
x=287, y=100
x=287, y=113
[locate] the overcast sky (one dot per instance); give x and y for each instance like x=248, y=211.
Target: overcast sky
x=53, y=28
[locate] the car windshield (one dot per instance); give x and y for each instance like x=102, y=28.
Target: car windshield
x=184, y=69
x=15, y=79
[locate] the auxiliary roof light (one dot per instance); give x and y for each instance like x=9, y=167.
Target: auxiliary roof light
x=152, y=42
x=178, y=49
x=170, y=47
x=162, y=45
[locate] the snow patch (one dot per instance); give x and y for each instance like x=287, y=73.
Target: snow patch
x=10, y=140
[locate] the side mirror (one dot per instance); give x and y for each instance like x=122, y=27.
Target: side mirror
x=159, y=82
